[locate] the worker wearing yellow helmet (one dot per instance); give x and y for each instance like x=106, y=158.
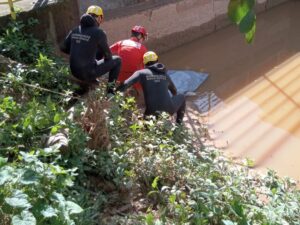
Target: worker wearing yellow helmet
x=97, y=12
x=90, y=56
x=156, y=85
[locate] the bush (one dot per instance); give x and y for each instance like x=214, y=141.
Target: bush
x=20, y=46
x=186, y=184
x=31, y=191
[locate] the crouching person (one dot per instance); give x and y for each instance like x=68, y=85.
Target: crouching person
x=156, y=84
x=90, y=56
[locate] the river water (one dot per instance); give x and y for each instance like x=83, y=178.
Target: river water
x=251, y=100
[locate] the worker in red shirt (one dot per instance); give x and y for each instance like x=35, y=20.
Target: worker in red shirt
x=131, y=52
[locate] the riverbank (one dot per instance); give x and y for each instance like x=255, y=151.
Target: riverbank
x=250, y=103
x=170, y=23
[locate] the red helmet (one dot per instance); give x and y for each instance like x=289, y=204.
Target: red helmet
x=140, y=29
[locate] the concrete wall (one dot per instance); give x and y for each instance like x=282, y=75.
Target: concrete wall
x=55, y=20
x=106, y=4
x=170, y=23
x=174, y=23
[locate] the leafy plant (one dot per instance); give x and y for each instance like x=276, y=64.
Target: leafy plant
x=241, y=12
x=19, y=45
x=31, y=191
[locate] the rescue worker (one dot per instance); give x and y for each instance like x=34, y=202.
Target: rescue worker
x=156, y=84
x=86, y=44
x=131, y=52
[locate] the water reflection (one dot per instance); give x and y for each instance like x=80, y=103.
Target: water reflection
x=251, y=98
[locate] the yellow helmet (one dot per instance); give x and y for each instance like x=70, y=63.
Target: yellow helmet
x=93, y=9
x=150, y=57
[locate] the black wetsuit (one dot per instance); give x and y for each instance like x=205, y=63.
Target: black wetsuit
x=87, y=43
x=156, y=84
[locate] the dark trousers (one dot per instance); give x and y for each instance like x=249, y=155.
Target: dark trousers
x=89, y=81
x=178, y=107
x=111, y=66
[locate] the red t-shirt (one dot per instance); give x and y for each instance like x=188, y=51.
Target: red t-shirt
x=131, y=53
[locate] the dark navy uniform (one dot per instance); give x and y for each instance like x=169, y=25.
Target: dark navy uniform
x=156, y=84
x=87, y=43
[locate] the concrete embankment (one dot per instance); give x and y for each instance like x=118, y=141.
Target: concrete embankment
x=170, y=23
x=55, y=17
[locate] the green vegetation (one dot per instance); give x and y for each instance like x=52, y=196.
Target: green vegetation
x=241, y=12
x=116, y=167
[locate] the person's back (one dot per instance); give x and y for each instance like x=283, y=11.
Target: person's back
x=85, y=41
x=131, y=52
x=90, y=56
x=155, y=84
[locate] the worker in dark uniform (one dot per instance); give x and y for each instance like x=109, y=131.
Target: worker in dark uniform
x=156, y=84
x=90, y=56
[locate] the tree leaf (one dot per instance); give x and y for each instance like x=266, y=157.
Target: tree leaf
x=172, y=199
x=154, y=183
x=18, y=200
x=29, y=177
x=57, y=118
x=247, y=22
x=73, y=208
x=3, y=161
x=6, y=174
x=59, y=198
x=149, y=219
x=228, y=222
x=238, y=9
x=26, y=218
x=250, y=34
x=49, y=212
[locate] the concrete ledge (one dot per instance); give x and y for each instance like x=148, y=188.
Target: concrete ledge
x=272, y=3
x=170, y=23
x=163, y=21
x=25, y=5
x=174, y=23
x=55, y=20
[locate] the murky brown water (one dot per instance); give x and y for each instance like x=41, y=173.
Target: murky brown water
x=253, y=92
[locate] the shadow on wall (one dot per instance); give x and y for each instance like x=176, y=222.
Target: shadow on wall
x=40, y=3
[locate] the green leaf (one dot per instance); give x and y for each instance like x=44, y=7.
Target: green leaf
x=247, y=22
x=238, y=208
x=73, y=208
x=57, y=197
x=238, y=9
x=49, y=212
x=26, y=218
x=27, y=157
x=53, y=149
x=3, y=161
x=274, y=191
x=250, y=163
x=55, y=129
x=250, y=34
x=228, y=222
x=149, y=219
x=154, y=183
x=57, y=118
x=18, y=200
x=29, y=177
x=172, y=199
x=6, y=174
